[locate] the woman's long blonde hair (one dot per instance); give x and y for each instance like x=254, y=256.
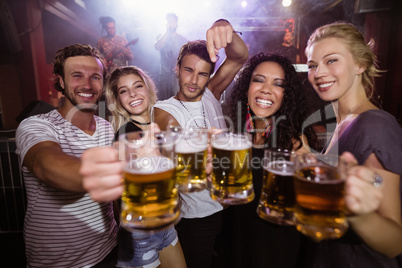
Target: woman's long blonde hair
x=361, y=51
x=120, y=116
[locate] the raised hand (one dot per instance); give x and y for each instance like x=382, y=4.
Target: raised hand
x=219, y=36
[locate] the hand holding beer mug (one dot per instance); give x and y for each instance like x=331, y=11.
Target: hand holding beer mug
x=232, y=181
x=150, y=199
x=320, y=196
x=277, y=196
x=190, y=155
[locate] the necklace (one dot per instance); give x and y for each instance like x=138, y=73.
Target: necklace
x=268, y=131
x=203, y=112
x=142, y=124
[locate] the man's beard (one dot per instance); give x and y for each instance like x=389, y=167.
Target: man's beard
x=192, y=95
x=187, y=94
x=83, y=107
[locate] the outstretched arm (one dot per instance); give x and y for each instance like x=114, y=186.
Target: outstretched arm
x=221, y=35
x=47, y=161
x=102, y=170
x=164, y=119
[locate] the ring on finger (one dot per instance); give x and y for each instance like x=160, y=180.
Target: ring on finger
x=377, y=180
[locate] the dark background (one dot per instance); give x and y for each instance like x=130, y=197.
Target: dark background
x=31, y=31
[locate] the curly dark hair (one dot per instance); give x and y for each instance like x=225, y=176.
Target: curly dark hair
x=288, y=120
x=71, y=51
x=105, y=20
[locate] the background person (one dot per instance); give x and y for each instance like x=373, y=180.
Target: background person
x=197, y=105
x=63, y=226
x=342, y=68
x=132, y=93
x=168, y=45
x=114, y=48
x=287, y=49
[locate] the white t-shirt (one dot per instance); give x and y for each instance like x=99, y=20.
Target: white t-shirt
x=64, y=229
x=196, y=204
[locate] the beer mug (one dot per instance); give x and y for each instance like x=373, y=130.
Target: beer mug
x=150, y=199
x=232, y=181
x=190, y=156
x=277, y=195
x=320, y=196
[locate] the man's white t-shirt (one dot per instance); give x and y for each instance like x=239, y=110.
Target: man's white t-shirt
x=61, y=228
x=196, y=204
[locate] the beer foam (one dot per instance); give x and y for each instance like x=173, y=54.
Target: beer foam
x=286, y=168
x=186, y=147
x=231, y=143
x=147, y=165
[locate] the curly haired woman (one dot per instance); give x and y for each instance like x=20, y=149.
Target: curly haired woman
x=268, y=100
x=268, y=97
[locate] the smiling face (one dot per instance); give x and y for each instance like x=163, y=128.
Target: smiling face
x=133, y=95
x=333, y=72
x=193, y=75
x=266, y=89
x=83, y=82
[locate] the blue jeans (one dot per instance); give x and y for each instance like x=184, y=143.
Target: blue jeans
x=141, y=248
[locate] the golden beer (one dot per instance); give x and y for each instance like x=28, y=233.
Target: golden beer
x=277, y=196
x=190, y=168
x=320, y=204
x=232, y=181
x=190, y=156
x=150, y=198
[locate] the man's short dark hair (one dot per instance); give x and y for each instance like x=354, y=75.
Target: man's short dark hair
x=72, y=51
x=171, y=15
x=198, y=48
x=105, y=20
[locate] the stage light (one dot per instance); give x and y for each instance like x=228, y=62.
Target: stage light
x=80, y=3
x=244, y=4
x=286, y=3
